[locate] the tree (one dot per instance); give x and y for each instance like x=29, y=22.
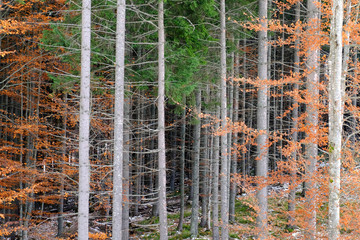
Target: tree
x=224, y=158
x=196, y=170
x=84, y=145
x=119, y=121
x=295, y=117
x=161, y=124
x=335, y=116
x=312, y=108
x=262, y=121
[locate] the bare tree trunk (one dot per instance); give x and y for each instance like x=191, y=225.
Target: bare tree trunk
x=233, y=185
x=195, y=172
x=205, y=173
x=182, y=168
x=295, y=116
x=262, y=122
x=60, y=218
x=215, y=211
x=224, y=158
x=126, y=173
x=84, y=145
x=119, y=121
x=161, y=124
x=312, y=67
x=335, y=116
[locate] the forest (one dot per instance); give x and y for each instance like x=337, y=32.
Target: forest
x=179, y=119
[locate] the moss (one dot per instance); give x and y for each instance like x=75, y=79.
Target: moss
x=152, y=220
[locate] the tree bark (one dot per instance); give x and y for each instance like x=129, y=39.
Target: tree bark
x=60, y=218
x=294, y=135
x=224, y=158
x=335, y=116
x=126, y=173
x=161, y=124
x=119, y=121
x=182, y=168
x=311, y=148
x=233, y=185
x=205, y=173
x=262, y=124
x=196, y=170
x=84, y=164
x=215, y=210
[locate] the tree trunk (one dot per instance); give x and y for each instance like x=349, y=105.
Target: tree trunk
x=161, y=124
x=224, y=158
x=84, y=145
x=60, y=218
x=312, y=67
x=195, y=172
x=262, y=122
x=205, y=173
x=182, y=168
x=335, y=117
x=126, y=173
x=295, y=116
x=119, y=122
x=215, y=211
x=233, y=185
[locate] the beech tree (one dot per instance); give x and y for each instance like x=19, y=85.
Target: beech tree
x=84, y=128
x=224, y=158
x=119, y=121
x=335, y=116
x=312, y=111
x=262, y=121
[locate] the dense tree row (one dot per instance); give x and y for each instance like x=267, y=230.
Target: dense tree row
x=235, y=118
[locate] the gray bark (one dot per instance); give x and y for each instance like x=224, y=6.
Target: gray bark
x=84, y=164
x=119, y=121
x=335, y=117
x=233, y=185
x=60, y=218
x=224, y=158
x=295, y=116
x=205, y=176
x=215, y=210
x=126, y=174
x=161, y=124
x=262, y=124
x=196, y=171
x=311, y=148
x=182, y=168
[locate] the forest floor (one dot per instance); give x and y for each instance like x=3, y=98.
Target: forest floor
x=145, y=227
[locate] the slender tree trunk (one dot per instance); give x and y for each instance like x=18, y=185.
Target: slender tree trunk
x=312, y=67
x=60, y=219
x=173, y=162
x=119, y=122
x=233, y=185
x=243, y=114
x=84, y=145
x=224, y=158
x=295, y=116
x=205, y=174
x=262, y=121
x=161, y=125
x=182, y=168
x=126, y=173
x=195, y=172
x=335, y=117
x=216, y=234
